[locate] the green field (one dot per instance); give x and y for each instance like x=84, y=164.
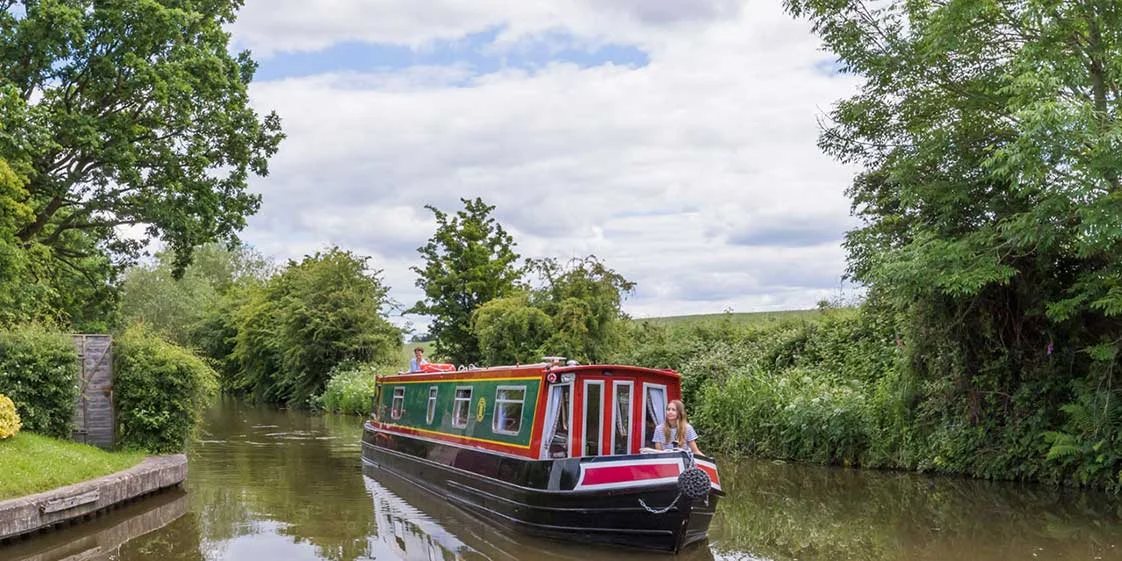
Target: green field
x=748, y=317
x=32, y=463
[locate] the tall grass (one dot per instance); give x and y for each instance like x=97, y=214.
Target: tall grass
x=793, y=389
x=350, y=389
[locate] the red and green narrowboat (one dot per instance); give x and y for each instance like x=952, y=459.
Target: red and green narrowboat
x=554, y=450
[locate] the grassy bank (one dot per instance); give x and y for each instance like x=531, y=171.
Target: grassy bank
x=32, y=463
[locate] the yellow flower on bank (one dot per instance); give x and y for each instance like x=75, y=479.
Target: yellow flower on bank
x=9, y=418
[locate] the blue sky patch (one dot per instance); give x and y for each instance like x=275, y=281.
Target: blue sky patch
x=803, y=232
x=828, y=67
x=477, y=51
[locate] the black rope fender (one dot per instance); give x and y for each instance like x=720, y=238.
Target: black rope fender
x=693, y=482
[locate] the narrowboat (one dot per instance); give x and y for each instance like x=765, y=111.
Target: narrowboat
x=557, y=450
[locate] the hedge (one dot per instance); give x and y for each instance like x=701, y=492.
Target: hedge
x=39, y=371
x=160, y=390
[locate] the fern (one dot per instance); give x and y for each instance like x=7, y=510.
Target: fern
x=1063, y=445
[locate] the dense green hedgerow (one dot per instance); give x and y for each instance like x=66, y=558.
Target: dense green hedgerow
x=839, y=390
x=39, y=372
x=160, y=390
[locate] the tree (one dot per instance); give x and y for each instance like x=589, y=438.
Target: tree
x=469, y=261
x=36, y=287
x=129, y=112
x=14, y=214
x=329, y=311
x=151, y=294
x=511, y=331
x=254, y=367
x=575, y=311
x=584, y=300
x=989, y=134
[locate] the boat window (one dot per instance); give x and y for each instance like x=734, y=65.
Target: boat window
x=555, y=442
x=654, y=403
x=508, y=409
x=431, y=411
x=593, y=409
x=621, y=431
x=461, y=408
x=398, y=402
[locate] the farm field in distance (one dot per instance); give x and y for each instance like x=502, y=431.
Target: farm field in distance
x=735, y=317
x=749, y=317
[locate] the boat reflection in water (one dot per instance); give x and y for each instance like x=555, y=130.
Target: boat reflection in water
x=414, y=525
x=408, y=532
x=101, y=538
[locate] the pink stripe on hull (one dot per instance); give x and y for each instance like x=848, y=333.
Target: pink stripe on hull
x=623, y=474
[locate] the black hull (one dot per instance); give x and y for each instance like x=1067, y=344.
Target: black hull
x=538, y=497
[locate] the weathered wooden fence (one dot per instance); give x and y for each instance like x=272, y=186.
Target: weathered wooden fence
x=94, y=418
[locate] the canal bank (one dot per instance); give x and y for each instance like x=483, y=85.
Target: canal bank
x=80, y=501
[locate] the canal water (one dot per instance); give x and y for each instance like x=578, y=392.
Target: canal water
x=287, y=486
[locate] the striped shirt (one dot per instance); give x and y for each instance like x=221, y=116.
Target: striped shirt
x=659, y=436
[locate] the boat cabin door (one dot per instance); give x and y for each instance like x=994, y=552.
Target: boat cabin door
x=558, y=422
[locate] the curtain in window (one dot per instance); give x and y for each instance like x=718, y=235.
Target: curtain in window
x=621, y=410
x=656, y=406
x=552, y=413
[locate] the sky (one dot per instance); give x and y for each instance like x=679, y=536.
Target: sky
x=675, y=140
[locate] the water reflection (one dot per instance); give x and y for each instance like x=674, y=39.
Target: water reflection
x=273, y=484
x=287, y=486
x=408, y=533
x=99, y=539
x=783, y=512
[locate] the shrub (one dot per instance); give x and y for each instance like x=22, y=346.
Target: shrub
x=160, y=390
x=350, y=389
x=798, y=414
x=9, y=418
x=511, y=331
x=792, y=389
x=328, y=311
x=39, y=372
x=289, y=333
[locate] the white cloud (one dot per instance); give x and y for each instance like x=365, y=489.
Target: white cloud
x=698, y=175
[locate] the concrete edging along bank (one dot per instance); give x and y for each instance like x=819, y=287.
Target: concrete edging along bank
x=42, y=510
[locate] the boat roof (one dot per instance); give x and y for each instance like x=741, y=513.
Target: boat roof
x=666, y=372
x=540, y=368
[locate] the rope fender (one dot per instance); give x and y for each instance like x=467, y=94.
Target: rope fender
x=693, y=482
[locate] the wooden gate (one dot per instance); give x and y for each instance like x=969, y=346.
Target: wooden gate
x=94, y=418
